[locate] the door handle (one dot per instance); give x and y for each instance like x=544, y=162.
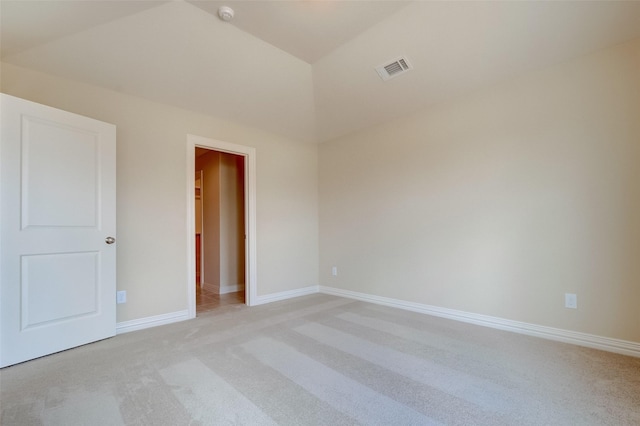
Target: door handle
x=109, y=240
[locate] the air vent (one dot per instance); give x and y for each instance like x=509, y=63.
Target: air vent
x=393, y=69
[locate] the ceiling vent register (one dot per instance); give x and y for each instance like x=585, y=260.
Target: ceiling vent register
x=394, y=68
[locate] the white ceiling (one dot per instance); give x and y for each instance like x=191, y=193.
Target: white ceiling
x=27, y=23
x=308, y=30
x=304, y=69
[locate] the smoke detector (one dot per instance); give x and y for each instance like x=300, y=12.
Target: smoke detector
x=225, y=13
x=393, y=68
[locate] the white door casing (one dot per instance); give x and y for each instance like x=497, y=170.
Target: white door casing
x=57, y=273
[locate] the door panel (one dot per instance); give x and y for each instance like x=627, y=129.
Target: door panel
x=70, y=154
x=57, y=275
x=43, y=304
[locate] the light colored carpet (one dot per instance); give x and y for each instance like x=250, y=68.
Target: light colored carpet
x=323, y=360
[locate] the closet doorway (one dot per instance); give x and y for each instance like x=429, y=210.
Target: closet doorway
x=222, y=246
x=220, y=229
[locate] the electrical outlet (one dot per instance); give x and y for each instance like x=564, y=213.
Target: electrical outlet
x=334, y=271
x=121, y=296
x=570, y=301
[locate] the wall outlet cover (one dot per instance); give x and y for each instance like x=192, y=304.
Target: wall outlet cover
x=571, y=301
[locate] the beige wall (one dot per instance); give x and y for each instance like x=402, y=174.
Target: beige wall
x=210, y=165
x=152, y=192
x=231, y=221
x=499, y=203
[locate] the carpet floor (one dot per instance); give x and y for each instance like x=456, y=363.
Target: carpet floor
x=322, y=360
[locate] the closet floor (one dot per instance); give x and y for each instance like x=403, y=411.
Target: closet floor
x=207, y=300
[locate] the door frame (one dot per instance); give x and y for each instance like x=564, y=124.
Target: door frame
x=250, y=247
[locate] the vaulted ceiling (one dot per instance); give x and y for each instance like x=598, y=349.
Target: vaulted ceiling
x=304, y=69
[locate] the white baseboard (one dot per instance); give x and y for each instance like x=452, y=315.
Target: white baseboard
x=148, y=322
x=583, y=339
x=222, y=289
x=283, y=295
x=231, y=288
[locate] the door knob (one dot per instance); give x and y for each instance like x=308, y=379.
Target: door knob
x=109, y=240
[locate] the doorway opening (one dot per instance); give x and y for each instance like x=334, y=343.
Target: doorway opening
x=221, y=224
x=219, y=229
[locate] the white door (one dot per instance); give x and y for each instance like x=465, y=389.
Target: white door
x=57, y=271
